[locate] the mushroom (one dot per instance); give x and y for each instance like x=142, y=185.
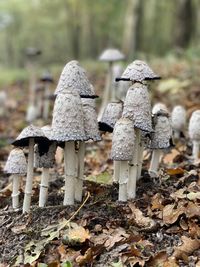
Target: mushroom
x=178, y=121
x=3, y=100
x=160, y=139
x=74, y=77
x=28, y=137
x=91, y=133
x=158, y=106
x=112, y=113
x=109, y=55
x=44, y=157
x=194, y=134
x=68, y=126
x=122, y=151
x=17, y=166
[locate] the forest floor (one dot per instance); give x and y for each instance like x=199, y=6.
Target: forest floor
x=160, y=228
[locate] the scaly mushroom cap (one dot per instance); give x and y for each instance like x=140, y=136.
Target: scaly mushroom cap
x=90, y=119
x=138, y=71
x=44, y=159
x=194, y=126
x=30, y=131
x=73, y=77
x=111, y=114
x=123, y=140
x=159, y=106
x=137, y=107
x=178, y=118
x=162, y=131
x=16, y=162
x=111, y=55
x=67, y=122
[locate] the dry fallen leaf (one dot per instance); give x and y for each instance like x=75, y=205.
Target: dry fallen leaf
x=168, y=158
x=174, y=171
x=171, y=214
x=75, y=234
x=156, y=202
x=115, y=237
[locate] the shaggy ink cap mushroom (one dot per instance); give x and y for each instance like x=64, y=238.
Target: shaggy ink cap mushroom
x=90, y=119
x=159, y=106
x=111, y=55
x=161, y=136
x=73, y=77
x=32, y=52
x=111, y=114
x=137, y=107
x=178, y=118
x=47, y=77
x=138, y=71
x=30, y=131
x=194, y=126
x=123, y=140
x=16, y=162
x=67, y=122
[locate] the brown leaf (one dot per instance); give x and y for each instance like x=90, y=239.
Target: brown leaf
x=18, y=229
x=156, y=202
x=170, y=157
x=171, y=215
x=179, y=194
x=118, y=235
x=158, y=259
x=192, y=210
x=194, y=229
x=174, y=171
x=187, y=248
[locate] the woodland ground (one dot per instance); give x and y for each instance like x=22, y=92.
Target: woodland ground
x=161, y=227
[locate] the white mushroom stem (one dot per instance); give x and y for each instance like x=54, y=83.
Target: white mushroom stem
x=80, y=176
x=176, y=134
x=107, y=91
x=70, y=172
x=133, y=166
x=29, y=178
x=44, y=187
x=140, y=158
x=195, y=150
x=116, y=172
x=155, y=160
x=123, y=181
x=15, y=191
x=46, y=102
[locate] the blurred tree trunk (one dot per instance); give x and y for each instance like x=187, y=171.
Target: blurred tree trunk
x=183, y=26
x=131, y=27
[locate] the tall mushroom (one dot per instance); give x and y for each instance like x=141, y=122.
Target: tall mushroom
x=44, y=157
x=178, y=121
x=122, y=151
x=16, y=165
x=68, y=126
x=160, y=139
x=109, y=55
x=194, y=134
x=27, y=138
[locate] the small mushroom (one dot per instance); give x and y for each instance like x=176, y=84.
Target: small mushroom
x=159, y=106
x=32, y=113
x=194, y=134
x=160, y=139
x=3, y=101
x=122, y=151
x=109, y=55
x=68, y=126
x=178, y=121
x=44, y=157
x=73, y=77
x=91, y=133
x=27, y=138
x=17, y=166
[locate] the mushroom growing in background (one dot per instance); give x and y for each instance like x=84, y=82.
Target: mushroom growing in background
x=159, y=106
x=122, y=151
x=109, y=55
x=178, y=121
x=44, y=157
x=160, y=139
x=16, y=165
x=68, y=126
x=27, y=138
x=194, y=134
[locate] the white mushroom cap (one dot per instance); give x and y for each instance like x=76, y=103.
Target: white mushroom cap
x=194, y=126
x=73, y=77
x=138, y=71
x=160, y=138
x=16, y=162
x=159, y=106
x=137, y=107
x=67, y=122
x=30, y=131
x=178, y=118
x=111, y=114
x=123, y=140
x=32, y=113
x=47, y=131
x=90, y=119
x=45, y=160
x=111, y=55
